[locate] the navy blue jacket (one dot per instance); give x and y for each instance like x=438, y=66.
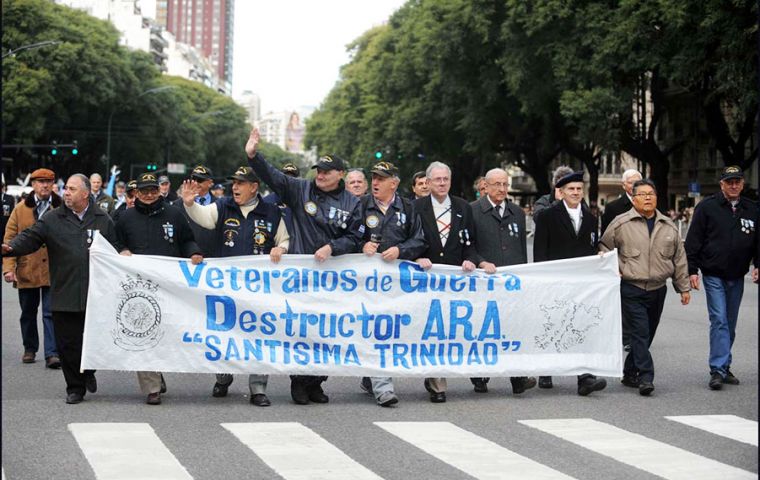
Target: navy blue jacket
x=239, y=235
x=721, y=243
x=319, y=217
x=285, y=212
x=398, y=227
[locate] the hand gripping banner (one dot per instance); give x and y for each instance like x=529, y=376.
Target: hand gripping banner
x=352, y=315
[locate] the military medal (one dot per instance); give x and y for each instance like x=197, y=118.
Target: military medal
x=168, y=232
x=90, y=234
x=399, y=221
x=311, y=208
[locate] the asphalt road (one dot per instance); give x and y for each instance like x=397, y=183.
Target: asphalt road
x=628, y=437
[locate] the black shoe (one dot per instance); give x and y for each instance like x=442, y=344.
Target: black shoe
x=591, y=384
x=163, y=385
x=427, y=386
x=646, y=389
x=74, y=398
x=632, y=382
x=520, y=384
x=90, y=383
x=730, y=378
x=317, y=395
x=53, y=362
x=438, y=397
x=298, y=392
x=220, y=390
x=716, y=381
x=480, y=385
x=366, y=385
x=153, y=399
x=545, y=382
x=260, y=400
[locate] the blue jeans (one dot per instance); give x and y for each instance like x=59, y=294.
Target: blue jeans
x=723, y=300
x=29, y=300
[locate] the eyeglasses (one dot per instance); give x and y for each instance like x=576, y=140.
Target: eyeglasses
x=499, y=184
x=439, y=180
x=645, y=195
x=147, y=191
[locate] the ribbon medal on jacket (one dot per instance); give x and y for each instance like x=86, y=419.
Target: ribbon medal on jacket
x=168, y=232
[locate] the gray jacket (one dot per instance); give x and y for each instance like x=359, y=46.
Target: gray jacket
x=68, y=243
x=499, y=240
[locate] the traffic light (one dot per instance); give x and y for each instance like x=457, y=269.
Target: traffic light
x=151, y=167
x=54, y=150
x=378, y=154
x=74, y=148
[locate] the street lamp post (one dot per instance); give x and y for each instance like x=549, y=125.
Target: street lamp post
x=110, y=118
x=30, y=46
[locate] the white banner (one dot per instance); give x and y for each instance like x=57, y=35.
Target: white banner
x=352, y=315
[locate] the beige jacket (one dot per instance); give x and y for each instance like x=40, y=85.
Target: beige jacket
x=647, y=261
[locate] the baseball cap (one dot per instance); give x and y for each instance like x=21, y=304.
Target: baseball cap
x=244, y=174
x=163, y=179
x=330, y=162
x=201, y=172
x=731, y=171
x=384, y=169
x=147, y=179
x=131, y=185
x=290, y=169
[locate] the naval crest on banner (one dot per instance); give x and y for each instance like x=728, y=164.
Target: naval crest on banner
x=138, y=316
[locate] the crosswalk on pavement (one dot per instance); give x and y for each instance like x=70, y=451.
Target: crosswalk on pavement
x=293, y=451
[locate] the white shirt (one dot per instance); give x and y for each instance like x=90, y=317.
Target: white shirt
x=503, y=206
x=443, y=220
x=575, y=215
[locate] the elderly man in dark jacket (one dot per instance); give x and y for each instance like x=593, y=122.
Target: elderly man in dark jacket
x=68, y=233
x=326, y=222
x=500, y=240
x=568, y=229
x=154, y=227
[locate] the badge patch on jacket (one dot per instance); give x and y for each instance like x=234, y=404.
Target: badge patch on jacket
x=748, y=226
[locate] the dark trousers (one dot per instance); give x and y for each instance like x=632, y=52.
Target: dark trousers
x=69, y=328
x=29, y=301
x=307, y=380
x=641, y=316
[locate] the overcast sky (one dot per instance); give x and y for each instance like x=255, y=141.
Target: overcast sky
x=289, y=52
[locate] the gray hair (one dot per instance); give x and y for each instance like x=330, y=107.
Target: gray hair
x=631, y=172
x=96, y=175
x=84, y=179
x=561, y=171
x=435, y=165
x=494, y=171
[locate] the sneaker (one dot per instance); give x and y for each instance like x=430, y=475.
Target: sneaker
x=316, y=394
x=386, y=399
x=730, y=378
x=591, y=384
x=646, y=389
x=545, y=382
x=632, y=382
x=716, y=381
x=366, y=385
x=153, y=399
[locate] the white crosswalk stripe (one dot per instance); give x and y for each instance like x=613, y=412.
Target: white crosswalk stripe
x=729, y=426
x=297, y=453
x=126, y=451
x=652, y=456
x=474, y=455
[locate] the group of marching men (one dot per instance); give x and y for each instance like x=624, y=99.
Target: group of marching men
x=329, y=216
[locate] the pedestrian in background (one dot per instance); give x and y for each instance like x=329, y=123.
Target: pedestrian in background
x=99, y=196
x=624, y=202
x=356, y=182
x=420, y=185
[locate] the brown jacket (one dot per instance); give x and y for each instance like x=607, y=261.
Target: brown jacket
x=31, y=270
x=647, y=261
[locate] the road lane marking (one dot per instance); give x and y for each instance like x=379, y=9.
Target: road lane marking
x=126, y=451
x=729, y=426
x=297, y=453
x=474, y=455
x=652, y=456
